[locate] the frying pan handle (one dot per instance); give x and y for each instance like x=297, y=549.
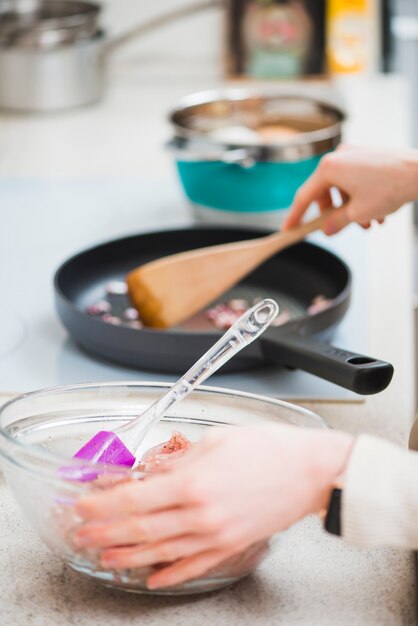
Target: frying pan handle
x=357, y=372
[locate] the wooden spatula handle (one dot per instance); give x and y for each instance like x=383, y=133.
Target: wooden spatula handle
x=288, y=237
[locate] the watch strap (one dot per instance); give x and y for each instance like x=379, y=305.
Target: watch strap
x=332, y=522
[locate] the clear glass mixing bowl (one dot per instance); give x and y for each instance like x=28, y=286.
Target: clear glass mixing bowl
x=40, y=431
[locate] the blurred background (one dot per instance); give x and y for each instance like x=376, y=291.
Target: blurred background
x=90, y=148
x=206, y=40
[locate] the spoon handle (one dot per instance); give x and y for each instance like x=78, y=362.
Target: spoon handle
x=243, y=332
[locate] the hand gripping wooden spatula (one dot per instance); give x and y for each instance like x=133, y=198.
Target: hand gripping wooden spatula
x=170, y=290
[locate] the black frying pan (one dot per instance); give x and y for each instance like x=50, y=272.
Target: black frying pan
x=293, y=278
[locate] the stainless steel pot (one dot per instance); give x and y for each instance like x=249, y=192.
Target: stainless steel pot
x=242, y=153
x=45, y=25
x=53, y=53
x=199, y=119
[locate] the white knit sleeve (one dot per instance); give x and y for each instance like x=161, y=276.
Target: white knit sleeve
x=380, y=496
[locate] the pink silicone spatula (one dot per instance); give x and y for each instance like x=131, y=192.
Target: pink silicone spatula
x=118, y=447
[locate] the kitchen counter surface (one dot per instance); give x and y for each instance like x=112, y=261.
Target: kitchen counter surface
x=312, y=578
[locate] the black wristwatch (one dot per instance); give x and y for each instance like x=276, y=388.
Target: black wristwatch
x=332, y=519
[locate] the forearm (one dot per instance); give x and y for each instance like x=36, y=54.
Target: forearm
x=407, y=176
x=380, y=497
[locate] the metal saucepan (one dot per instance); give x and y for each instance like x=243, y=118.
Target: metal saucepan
x=293, y=278
x=53, y=53
x=241, y=154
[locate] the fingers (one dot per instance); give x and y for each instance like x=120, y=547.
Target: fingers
x=324, y=201
x=136, y=529
x=366, y=225
x=140, y=497
x=187, y=569
x=339, y=219
x=315, y=187
x=150, y=554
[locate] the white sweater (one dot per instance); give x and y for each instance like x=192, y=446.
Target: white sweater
x=380, y=496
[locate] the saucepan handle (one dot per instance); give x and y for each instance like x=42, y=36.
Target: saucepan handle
x=362, y=374
x=160, y=20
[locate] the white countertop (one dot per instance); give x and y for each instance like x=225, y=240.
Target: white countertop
x=312, y=579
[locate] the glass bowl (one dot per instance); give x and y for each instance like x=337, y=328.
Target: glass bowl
x=40, y=431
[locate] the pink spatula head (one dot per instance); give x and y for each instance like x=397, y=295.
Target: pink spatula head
x=107, y=448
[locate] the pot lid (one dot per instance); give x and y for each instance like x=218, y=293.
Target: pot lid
x=31, y=16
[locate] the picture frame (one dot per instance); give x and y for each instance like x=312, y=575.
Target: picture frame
x=276, y=39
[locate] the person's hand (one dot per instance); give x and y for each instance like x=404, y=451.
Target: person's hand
x=236, y=487
x=372, y=185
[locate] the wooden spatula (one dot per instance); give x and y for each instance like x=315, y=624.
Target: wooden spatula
x=170, y=290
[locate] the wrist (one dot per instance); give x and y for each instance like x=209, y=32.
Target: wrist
x=409, y=177
x=329, y=465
